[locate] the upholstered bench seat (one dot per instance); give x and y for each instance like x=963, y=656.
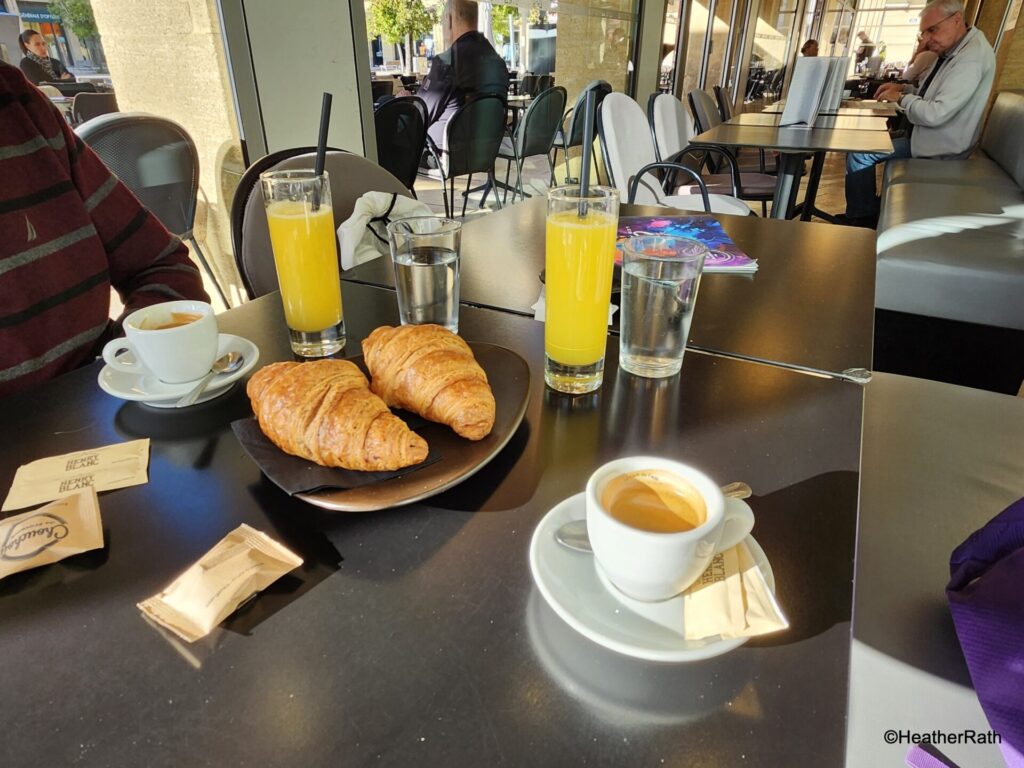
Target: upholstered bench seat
x=951, y=232
x=978, y=171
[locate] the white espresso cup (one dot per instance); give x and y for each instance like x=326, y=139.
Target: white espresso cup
x=174, y=355
x=652, y=566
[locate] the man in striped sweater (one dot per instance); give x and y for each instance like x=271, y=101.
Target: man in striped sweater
x=69, y=230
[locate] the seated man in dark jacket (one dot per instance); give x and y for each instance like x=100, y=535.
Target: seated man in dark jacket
x=470, y=67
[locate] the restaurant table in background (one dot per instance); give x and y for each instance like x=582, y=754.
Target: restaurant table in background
x=794, y=144
x=415, y=636
x=791, y=312
x=939, y=461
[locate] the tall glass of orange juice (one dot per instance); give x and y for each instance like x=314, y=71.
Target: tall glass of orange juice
x=579, y=258
x=301, y=223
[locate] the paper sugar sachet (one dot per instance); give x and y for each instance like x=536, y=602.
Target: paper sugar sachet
x=64, y=528
x=731, y=599
x=102, y=469
x=244, y=562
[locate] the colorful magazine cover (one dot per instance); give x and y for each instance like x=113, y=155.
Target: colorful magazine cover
x=723, y=254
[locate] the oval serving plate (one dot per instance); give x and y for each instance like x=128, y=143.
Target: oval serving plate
x=509, y=377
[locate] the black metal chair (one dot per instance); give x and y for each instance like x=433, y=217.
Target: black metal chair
x=544, y=83
x=571, y=135
x=86, y=106
x=534, y=135
x=350, y=175
x=401, y=128
x=157, y=160
x=528, y=85
x=471, y=141
x=724, y=98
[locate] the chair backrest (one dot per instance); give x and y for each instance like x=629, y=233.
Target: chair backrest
x=155, y=158
x=544, y=82
x=473, y=136
x=627, y=146
x=50, y=91
x=705, y=111
x=574, y=133
x=86, y=106
x=724, y=98
x=401, y=128
x=536, y=132
x=671, y=124
x=350, y=177
x=528, y=85
x=1001, y=140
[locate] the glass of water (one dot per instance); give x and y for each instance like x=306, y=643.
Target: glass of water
x=660, y=278
x=425, y=252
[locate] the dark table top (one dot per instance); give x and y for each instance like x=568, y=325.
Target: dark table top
x=796, y=139
x=811, y=303
x=415, y=636
x=865, y=121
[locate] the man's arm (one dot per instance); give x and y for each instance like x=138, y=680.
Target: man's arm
x=958, y=88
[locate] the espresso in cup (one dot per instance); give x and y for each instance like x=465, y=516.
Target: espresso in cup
x=654, y=500
x=176, y=341
x=655, y=524
x=176, y=320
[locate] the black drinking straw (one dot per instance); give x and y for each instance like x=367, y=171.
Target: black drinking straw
x=321, y=146
x=588, y=150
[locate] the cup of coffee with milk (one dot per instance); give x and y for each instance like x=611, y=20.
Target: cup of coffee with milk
x=655, y=524
x=176, y=341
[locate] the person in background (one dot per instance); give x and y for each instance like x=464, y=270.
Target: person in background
x=944, y=114
x=470, y=67
x=865, y=50
x=69, y=231
x=37, y=64
x=920, y=62
x=810, y=48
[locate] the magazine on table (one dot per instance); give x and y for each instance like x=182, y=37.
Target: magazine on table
x=723, y=254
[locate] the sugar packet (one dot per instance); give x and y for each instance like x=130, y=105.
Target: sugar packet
x=61, y=529
x=244, y=562
x=103, y=469
x=731, y=599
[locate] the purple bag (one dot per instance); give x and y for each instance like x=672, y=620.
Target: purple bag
x=986, y=598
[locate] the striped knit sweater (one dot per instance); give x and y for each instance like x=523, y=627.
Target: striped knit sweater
x=69, y=230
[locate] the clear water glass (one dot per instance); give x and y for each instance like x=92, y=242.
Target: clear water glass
x=660, y=279
x=425, y=253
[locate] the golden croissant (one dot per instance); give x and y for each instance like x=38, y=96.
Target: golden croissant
x=429, y=370
x=324, y=411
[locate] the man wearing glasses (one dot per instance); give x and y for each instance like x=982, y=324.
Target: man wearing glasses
x=944, y=113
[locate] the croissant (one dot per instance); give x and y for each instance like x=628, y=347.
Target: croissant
x=429, y=370
x=324, y=411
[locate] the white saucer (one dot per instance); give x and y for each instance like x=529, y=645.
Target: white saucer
x=147, y=388
x=571, y=585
